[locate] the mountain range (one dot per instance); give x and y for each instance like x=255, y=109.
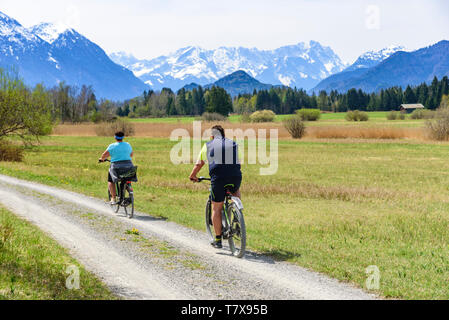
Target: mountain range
x=47, y=54
x=302, y=65
x=395, y=68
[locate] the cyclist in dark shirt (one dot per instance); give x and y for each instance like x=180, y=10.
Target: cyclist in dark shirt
x=222, y=154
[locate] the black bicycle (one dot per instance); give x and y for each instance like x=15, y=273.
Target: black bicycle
x=124, y=191
x=233, y=223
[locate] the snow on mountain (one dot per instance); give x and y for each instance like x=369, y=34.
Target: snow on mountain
x=302, y=65
x=372, y=58
x=364, y=62
x=400, y=68
x=48, y=53
x=48, y=32
x=13, y=32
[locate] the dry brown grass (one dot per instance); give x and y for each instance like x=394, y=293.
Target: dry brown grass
x=365, y=133
x=164, y=130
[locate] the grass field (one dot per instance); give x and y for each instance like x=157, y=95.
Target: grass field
x=336, y=207
x=33, y=266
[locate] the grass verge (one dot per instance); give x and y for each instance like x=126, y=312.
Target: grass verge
x=33, y=266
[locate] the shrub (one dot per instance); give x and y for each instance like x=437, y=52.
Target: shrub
x=422, y=114
x=309, y=114
x=363, y=116
x=107, y=129
x=295, y=126
x=356, y=116
x=213, y=116
x=439, y=127
x=401, y=116
x=245, y=117
x=392, y=115
x=263, y=116
x=10, y=152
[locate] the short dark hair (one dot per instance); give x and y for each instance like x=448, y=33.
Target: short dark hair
x=219, y=129
x=120, y=135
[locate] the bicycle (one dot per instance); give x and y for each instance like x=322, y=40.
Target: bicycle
x=233, y=222
x=125, y=192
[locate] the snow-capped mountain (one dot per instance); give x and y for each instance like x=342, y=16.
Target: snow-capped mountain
x=400, y=69
x=373, y=58
x=364, y=62
x=302, y=65
x=25, y=52
x=49, y=54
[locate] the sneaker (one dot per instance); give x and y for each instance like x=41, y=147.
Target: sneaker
x=113, y=202
x=217, y=244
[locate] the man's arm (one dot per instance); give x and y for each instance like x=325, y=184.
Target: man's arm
x=198, y=166
x=202, y=157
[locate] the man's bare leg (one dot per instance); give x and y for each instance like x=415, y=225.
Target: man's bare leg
x=217, y=207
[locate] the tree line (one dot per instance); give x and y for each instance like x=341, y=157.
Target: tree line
x=287, y=100
x=281, y=100
x=183, y=103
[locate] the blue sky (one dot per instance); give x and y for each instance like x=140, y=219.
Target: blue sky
x=152, y=28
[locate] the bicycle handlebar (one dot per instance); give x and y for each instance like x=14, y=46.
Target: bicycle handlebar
x=106, y=160
x=203, y=179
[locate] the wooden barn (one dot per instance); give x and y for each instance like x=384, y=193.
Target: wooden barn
x=409, y=108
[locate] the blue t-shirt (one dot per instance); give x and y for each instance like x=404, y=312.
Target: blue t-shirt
x=120, y=151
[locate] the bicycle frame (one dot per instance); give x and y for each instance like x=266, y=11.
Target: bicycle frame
x=120, y=188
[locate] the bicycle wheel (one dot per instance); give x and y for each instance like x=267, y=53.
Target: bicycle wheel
x=114, y=207
x=209, y=227
x=237, y=238
x=129, y=203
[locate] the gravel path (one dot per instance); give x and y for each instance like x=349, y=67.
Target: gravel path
x=163, y=260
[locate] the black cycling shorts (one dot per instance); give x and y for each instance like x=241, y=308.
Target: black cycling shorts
x=218, y=185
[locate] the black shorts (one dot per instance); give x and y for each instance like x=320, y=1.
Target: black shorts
x=218, y=185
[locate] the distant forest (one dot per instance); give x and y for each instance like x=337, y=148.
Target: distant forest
x=280, y=100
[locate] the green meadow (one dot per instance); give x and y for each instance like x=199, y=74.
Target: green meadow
x=333, y=207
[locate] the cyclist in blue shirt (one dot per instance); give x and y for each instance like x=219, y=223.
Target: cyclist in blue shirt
x=222, y=154
x=121, y=154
